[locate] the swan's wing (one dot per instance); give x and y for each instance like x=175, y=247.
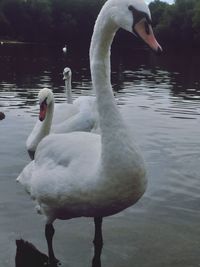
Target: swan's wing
x=25, y=177
x=82, y=102
x=65, y=164
x=82, y=121
x=63, y=111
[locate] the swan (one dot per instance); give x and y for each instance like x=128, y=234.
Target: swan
x=85, y=119
x=67, y=117
x=85, y=174
x=65, y=49
x=67, y=77
x=55, y=116
x=65, y=110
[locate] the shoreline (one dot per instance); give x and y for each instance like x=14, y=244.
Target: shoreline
x=3, y=41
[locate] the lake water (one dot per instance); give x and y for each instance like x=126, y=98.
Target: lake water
x=159, y=98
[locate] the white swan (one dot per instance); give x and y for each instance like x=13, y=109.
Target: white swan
x=83, y=174
x=62, y=112
x=67, y=117
x=83, y=118
x=65, y=49
x=67, y=77
x=65, y=110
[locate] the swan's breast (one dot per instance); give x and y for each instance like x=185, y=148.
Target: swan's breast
x=62, y=170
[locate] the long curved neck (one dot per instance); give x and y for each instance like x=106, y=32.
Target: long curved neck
x=41, y=129
x=102, y=38
x=68, y=89
x=113, y=129
x=46, y=125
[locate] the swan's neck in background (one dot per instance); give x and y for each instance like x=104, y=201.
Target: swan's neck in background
x=68, y=89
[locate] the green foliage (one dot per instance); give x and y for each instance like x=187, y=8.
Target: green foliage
x=71, y=20
x=177, y=24
x=48, y=20
x=196, y=23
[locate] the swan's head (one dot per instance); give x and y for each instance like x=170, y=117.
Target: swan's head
x=45, y=97
x=67, y=73
x=134, y=16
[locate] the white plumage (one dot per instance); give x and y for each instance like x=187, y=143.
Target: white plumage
x=65, y=49
x=65, y=117
x=83, y=174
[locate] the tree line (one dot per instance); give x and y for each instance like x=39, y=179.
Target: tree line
x=63, y=21
x=177, y=24
x=48, y=20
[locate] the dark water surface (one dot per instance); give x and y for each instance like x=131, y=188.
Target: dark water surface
x=160, y=100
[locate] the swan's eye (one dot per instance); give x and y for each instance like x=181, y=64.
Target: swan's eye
x=44, y=103
x=130, y=8
x=139, y=15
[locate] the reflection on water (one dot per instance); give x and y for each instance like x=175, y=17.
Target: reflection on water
x=160, y=100
x=27, y=255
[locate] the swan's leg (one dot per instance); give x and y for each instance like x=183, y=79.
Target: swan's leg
x=98, y=239
x=98, y=242
x=49, y=232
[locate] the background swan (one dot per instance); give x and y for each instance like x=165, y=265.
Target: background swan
x=67, y=77
x=83, y=174
x=85, y=119
x=63, y=111
x=64, y=49
x=64, y=117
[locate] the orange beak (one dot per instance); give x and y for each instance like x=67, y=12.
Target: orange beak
x=145, y=32
x=43, y=110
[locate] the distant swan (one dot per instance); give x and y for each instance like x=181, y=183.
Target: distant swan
x=65, y=49
x=67, y=77
x=84, y=174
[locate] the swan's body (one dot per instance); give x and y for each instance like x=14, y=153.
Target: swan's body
x=54, y=117
x=65, y=49
x=83, y=174
x=65, y=117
